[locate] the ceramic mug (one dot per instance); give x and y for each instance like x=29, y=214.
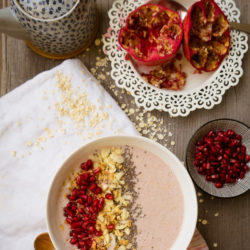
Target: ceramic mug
x=52, y=28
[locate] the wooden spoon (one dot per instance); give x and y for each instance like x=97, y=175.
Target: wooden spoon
x=43, y=242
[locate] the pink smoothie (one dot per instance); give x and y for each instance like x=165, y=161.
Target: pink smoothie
x=162, y=202
x=159, y=199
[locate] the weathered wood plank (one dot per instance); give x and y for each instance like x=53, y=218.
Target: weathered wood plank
x=231, y=228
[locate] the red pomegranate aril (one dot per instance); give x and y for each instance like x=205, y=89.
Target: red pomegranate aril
x=73, y=241
x=69, y=220
x=71, y=197
x=109, y=196
x=98, y=233
x=208, y=178
x=218, y=184
x=89, y=163
x=89, y=242
x=247, y=158
x=84, y=166
x=201, y=170
x=92, y=187
x=91, y=229
x=92, y=179
x=97, y=171
x=76, y=224
x=90, y=199
x=245, y=168
x=242, y=174
x=110, y=226
x=82, y=243
x=97, y=190
x=80, y=201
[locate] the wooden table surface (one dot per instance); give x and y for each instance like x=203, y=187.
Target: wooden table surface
x=230, y=229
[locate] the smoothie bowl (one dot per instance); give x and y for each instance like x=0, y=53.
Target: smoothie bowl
x=122, y=192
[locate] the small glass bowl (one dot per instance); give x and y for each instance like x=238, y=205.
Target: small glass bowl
x=228, y=190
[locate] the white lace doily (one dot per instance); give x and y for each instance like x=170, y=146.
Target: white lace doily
x=201, y=90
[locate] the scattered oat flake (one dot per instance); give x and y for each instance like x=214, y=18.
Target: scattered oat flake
x=216, y=214
x=172, y=143
x=97, y=42
x=212, y=197
x=22, y=155
x=199, y=194
x=215, y=244
x=160, y=136
x=204, y=222
x=14, y=153
x=201, y=200
x=170, y=134
x=19, y=123
x=29, y=143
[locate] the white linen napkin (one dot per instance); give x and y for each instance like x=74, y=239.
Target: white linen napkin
x=37, y=135
x=42, y=122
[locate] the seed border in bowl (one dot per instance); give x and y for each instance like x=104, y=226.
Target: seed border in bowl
x=228, y=190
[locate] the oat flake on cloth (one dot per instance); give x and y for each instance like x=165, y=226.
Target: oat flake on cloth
x=42, y=122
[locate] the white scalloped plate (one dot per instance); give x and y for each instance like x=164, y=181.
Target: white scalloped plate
x=201, y=90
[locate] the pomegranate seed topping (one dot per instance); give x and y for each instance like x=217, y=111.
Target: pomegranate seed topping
x=97, y=171
x=98, y=233
x=73, y=241
x=97, y=190
x=109, y=196
x=84, y=166
x=110, y=226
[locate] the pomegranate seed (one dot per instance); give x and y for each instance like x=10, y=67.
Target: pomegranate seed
x=97, y=190
x=110, y=226
x=90, y=199
x=218, y=184
x=89, y=242
x=73, y=241
x=89, y=163
x=97, y=171
x=98, y=233
x=82, y=243
x=69, y=220
x=84, y=166
x=247, y=158
x=91, y=229
x=92, y=187
x=75, y=224
x=96, y=202
x=92, y=179
x=242, y=174
x=109, y=196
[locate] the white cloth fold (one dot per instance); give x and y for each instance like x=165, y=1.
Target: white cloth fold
x=38, y=132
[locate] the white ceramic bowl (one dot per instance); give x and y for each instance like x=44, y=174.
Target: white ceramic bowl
x=190, y=200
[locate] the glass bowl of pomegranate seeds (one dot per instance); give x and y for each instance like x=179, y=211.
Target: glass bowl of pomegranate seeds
x=218, y=157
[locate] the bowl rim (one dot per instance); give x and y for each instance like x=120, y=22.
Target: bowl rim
x=189, y=231
x=188, y=146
